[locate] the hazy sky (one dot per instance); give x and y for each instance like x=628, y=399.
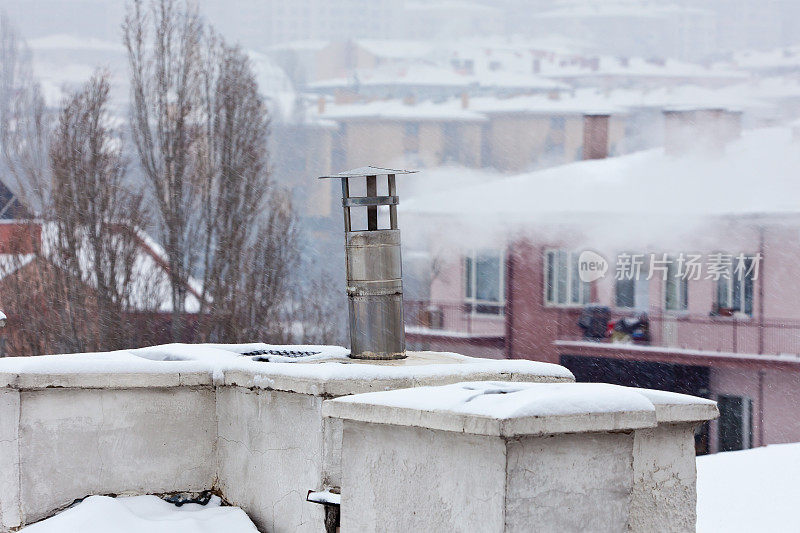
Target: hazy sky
x=102, y=18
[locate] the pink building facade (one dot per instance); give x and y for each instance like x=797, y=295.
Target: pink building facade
x=743, y=351
x=733, y=336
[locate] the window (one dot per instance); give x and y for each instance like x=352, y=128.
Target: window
x=735, y=289
x=676, y=288
x=632, y=288
x=735, y=426
x=485, y=282
x=633, y=293
x=562, y=286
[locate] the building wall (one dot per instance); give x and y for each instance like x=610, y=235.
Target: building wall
x=424, y=143
x=518, y=142
x=430, y=143
x=372, y=143
x=775, y=396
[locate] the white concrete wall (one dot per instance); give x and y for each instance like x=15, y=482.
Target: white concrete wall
x=270, y=456
x=257, y=434
x=665, y=475
x=572, y=482
x=73, y=442
x=10, y=512
x=403, y=479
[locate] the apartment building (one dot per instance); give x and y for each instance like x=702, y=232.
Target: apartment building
x=730, y=330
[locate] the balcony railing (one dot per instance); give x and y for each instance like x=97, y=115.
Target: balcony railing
x=740, y=335
x=725, y=334
x=451, y=318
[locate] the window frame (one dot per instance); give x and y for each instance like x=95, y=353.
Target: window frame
x=639, y=286
x=473, y=303
x=746, y=419
x=584, y=296
x=681, y=287
x=731, y=281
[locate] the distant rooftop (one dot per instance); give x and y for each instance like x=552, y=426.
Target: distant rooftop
x=642, y=184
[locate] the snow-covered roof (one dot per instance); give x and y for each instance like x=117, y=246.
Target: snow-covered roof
x=396, y=49
x=328, y=371
x=645, y=184
x=423, y=75
x=737, y=97
x=417, y=75
x=10, y=263
x=617, y=8
x=638, y=67
x=302, y=45
x=398, y=110
x=543, y=105
x=150, y=284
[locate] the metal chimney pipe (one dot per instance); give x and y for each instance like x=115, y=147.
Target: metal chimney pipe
x=374, y=269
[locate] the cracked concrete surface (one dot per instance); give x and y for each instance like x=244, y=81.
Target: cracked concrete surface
x=270, y=455
x=387, y=469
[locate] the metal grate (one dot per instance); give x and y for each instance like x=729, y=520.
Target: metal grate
x=283, y=353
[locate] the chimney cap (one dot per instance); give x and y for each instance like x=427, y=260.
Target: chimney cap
x=368, y=171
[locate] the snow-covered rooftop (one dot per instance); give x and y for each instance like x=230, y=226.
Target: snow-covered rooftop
x=647, y=183
x=617, y=8
x=638, y=67
x=328, y=370
x=398, y=110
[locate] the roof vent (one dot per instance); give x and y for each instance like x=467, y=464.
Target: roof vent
x=374, y=270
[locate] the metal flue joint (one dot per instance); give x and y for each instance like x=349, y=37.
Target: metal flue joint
x=374, y=271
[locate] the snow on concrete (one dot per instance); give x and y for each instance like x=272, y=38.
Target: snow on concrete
x=325, y=496
x=101, y=514
x=750, y=490
x=219, y=360
x=500, y=408
x=509, y=400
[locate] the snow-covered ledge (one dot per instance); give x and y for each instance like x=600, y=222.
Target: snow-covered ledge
x=186, y=418
x=499, y=456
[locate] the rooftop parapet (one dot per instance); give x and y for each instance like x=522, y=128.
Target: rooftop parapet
x=500, y=456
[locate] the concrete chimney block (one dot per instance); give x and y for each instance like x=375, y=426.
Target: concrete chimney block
x=494, y=456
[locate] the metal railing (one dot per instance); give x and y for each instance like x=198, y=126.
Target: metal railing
x=729, y=334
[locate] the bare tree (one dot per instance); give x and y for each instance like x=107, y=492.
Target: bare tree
x=201, y=128
x=24, y=126
x=77, y=276
x=95, y=212
x=163, y=41
x=250, y=231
